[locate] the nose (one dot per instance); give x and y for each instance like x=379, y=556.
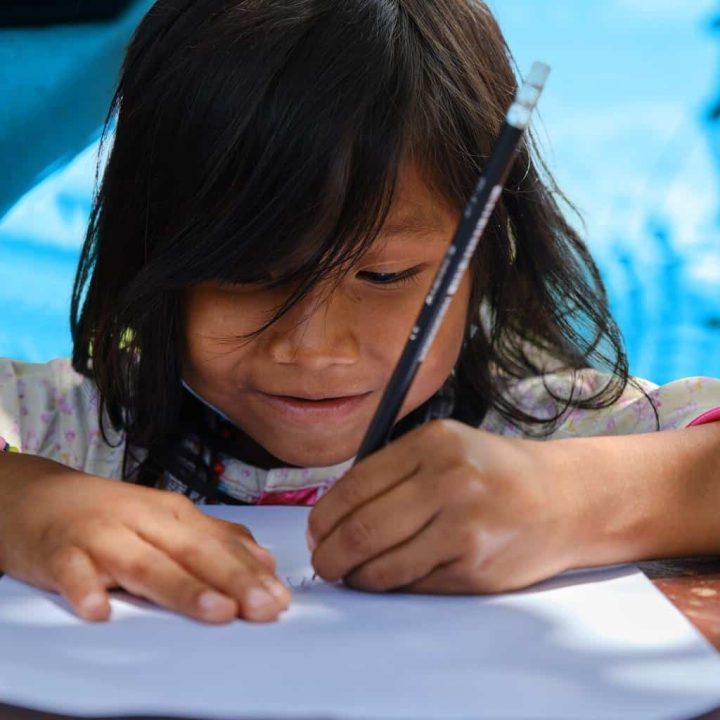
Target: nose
x=318, y=333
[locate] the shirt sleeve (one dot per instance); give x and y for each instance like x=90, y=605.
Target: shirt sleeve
x=51, y=411
x=643, y=406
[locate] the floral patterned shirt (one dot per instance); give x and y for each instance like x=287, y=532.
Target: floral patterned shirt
x=51, y=411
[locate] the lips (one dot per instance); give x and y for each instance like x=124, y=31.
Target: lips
x=314, y=408
x=313, y=398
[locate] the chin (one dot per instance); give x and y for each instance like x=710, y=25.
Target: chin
x=312, y=456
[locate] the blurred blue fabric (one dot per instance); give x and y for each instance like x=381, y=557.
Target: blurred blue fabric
x=626, y=123
x=56, y=85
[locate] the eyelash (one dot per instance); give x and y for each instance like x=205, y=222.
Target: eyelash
x=406, y=276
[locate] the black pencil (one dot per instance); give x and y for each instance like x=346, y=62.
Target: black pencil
x=458, y=256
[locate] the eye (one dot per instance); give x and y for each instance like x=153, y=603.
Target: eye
x=380, y=278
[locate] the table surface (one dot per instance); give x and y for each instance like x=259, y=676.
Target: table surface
x=691, y=584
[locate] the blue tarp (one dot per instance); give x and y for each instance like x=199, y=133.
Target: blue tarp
x=56, y=84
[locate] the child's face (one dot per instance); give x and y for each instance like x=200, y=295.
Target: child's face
x=306, y=389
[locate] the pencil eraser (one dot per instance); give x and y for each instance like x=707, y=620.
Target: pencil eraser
x=538, y=75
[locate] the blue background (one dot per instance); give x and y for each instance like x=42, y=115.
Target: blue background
x=625, y=124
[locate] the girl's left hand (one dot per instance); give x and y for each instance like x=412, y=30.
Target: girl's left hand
x=449, y=508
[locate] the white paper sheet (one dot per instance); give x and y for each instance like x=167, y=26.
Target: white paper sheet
x=595, y=644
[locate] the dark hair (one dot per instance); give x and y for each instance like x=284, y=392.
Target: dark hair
x=258, y=139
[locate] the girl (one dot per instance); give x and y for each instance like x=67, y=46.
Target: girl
x=284, y=179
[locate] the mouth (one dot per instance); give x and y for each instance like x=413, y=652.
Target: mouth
x=316, y=408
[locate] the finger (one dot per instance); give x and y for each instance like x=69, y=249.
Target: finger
x=463, y=576
x=376, y=527
x=451, y=578
x=406, y=563
x=184, y=511
x=234, y=532
x=469, y=566
x=371, y=477
x=77, y=578
x=142, y=569
x=225, y=563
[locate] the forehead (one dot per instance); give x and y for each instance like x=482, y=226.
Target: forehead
x=416, y=207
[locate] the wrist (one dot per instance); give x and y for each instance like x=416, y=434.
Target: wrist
x=614, y=511
x=690, y=464
x=645, y=496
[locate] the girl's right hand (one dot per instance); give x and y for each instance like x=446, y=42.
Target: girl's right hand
x=79, y=535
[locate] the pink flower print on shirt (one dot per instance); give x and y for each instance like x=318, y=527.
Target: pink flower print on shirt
x=70, y=435
x=65, y=406
x=29, y=441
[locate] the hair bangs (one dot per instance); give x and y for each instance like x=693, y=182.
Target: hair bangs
x=285, y=178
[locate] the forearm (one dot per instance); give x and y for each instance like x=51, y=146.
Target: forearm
x=20, y=474
x=19, y=468
x=648, y=496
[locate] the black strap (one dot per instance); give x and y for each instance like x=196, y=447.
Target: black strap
x=50, y=12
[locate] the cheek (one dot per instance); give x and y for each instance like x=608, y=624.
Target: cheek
x=444, y=353
x=214, y=330
x=445, y=350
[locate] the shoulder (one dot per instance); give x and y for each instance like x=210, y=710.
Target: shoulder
x=58, y=373
x=27, y=386
x=50, y=410
x=643, y=406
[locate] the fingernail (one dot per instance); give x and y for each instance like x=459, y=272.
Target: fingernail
x=310, y=541
x=278, y=590
x=214, y=604
x=257, y=598
x=93, y=603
